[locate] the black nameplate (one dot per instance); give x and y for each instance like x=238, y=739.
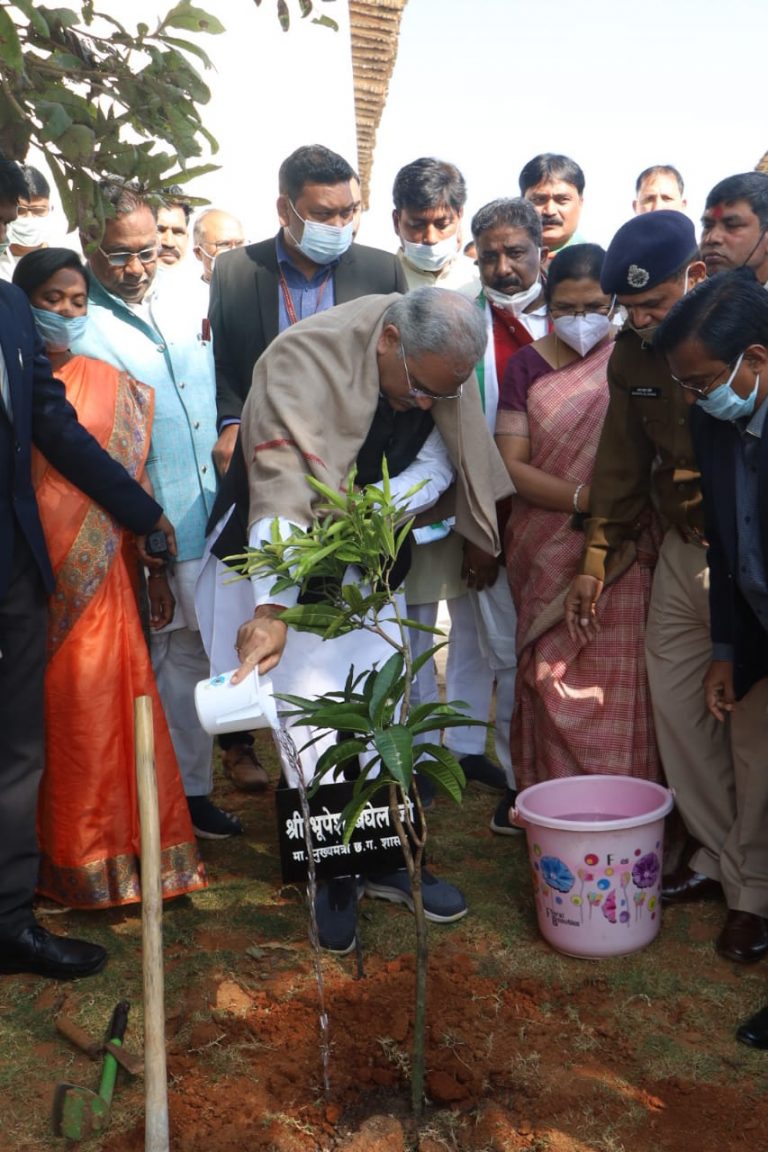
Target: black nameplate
x=645, y=393
x=373, y=846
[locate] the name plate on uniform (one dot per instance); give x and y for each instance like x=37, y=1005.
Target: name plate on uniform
x=645, y=392
x=373, y=847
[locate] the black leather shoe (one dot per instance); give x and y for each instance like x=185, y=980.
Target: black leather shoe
x=744, y=937
x=755, y=1030
x=684, y=886
x=36, y=950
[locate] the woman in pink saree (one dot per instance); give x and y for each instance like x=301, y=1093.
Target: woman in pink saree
x=579, y=708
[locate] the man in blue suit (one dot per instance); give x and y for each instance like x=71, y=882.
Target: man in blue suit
x=716, y=345
x=34, y=411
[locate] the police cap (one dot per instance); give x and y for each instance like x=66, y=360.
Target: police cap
x=647, y=250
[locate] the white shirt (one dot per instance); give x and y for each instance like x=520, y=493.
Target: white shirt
x=431, y=464
x=8, y=264
x=459, y=274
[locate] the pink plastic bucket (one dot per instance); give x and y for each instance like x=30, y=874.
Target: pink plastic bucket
x=595, y=847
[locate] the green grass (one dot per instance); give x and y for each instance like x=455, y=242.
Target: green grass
x=674, y=1005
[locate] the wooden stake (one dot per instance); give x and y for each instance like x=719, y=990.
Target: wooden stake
x=155, y=1073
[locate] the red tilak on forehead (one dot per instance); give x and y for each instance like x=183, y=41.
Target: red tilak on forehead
x=717, y=212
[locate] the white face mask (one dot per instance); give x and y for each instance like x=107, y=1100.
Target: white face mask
x=208, y=263
x=430, y=257
x=516, y=303
x=29, y=231
x=582, y=333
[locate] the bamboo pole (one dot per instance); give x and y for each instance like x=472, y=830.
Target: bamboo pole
x=156, y=1131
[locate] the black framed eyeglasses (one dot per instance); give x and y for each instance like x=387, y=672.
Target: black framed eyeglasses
x=699, y=390
x=419, y=389
x=120, y=259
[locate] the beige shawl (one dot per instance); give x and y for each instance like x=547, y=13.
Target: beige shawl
x=313, y=398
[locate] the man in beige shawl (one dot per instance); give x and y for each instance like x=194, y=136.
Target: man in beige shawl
x=362, y=373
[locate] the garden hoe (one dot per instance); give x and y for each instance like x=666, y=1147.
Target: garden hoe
x=95, y=1049
x=78, y=1112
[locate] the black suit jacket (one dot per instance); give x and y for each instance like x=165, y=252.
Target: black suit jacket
x=732, y=619
x=244, y=315
x=41, y=415
x=244, y=308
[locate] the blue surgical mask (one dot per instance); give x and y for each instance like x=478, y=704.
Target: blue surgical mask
x=58, y=332
x=725, y=404
x=323, y=243
x=431, y=257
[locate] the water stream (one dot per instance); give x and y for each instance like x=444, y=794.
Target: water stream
x=290, y=754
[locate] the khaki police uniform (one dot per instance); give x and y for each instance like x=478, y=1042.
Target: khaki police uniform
x=645, y=456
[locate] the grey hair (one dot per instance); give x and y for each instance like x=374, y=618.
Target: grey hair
x=126, y=197
x=436, y=320
x=197, y=228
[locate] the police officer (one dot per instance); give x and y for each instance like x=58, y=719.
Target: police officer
x=645, y=458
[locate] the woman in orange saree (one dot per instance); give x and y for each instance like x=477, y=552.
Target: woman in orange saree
x=579, y=708
x=98, y=660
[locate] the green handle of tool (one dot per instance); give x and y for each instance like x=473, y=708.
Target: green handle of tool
x=115, y=1034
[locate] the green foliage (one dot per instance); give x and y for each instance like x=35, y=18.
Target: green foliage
x=362, y=528
x=97, y=98
x=305, y=9
x=369, y=713
x=100, y=99
x=372, y=714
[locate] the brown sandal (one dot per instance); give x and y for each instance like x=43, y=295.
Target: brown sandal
x=243, y=768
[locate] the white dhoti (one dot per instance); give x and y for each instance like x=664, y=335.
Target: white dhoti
x=481, y=650
x=179, y=662
x=496, y=623
x=309, y=665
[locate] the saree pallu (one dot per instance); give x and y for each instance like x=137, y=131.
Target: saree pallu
x=579, y=708
x=98, y=663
